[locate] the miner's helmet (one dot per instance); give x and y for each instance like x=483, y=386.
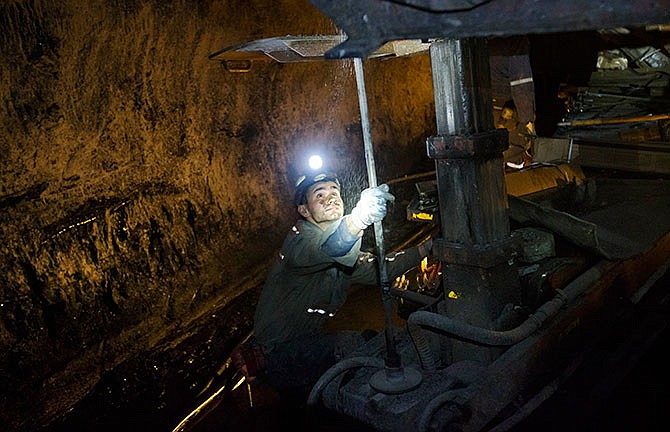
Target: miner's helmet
x=306, y=181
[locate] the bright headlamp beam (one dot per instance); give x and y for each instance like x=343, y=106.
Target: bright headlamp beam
x=315, y=162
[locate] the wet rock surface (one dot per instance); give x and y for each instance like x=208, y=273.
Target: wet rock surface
x=157, y=389
x=160, y=387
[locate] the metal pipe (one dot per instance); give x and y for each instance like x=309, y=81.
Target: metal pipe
x=411, y=177
x=392, y=357
x=414, y=296
x=570, y=149
x=591, y=122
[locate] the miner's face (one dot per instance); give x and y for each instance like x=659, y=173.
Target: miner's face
x=323, y=204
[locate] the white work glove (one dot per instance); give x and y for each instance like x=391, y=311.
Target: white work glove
x=371, y=207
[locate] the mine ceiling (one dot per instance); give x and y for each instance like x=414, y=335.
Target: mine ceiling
x=369, y=24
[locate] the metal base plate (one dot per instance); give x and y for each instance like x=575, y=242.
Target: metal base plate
x=396, y=380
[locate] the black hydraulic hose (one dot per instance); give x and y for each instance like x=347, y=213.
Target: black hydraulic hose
x=426, y=357
x=338, y=369
x=454, y=414
x=490, y=337
x=525, y=329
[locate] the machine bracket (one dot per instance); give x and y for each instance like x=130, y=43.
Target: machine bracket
x=482, y=144
x=483, y=256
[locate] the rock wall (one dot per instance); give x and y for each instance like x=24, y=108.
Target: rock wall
x=141, y=183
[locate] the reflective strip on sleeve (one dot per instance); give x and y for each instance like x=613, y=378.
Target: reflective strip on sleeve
x=521, y=81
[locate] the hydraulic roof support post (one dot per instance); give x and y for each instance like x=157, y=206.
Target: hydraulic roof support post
x=476, y=249
x=394, y=378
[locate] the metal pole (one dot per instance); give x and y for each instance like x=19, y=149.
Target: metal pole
x=392, y=360
x=393, y=379
x=570, y=150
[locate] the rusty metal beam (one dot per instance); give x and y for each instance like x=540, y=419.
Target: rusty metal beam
x=370, y=23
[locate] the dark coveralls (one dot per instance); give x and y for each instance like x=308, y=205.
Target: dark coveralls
x=305, y=287
x=512, y=84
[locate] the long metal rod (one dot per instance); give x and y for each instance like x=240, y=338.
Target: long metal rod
x=392, y=358
x=602, y=121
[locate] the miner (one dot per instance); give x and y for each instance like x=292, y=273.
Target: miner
x=319, y=261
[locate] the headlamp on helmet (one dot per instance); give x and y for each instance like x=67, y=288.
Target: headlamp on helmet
x=306, y=181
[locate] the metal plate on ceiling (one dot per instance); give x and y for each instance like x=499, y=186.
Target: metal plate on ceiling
x=291, y=49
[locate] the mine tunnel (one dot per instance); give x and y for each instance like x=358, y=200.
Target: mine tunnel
x=149, y=151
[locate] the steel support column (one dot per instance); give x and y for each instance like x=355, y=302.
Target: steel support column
x=476, y=248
